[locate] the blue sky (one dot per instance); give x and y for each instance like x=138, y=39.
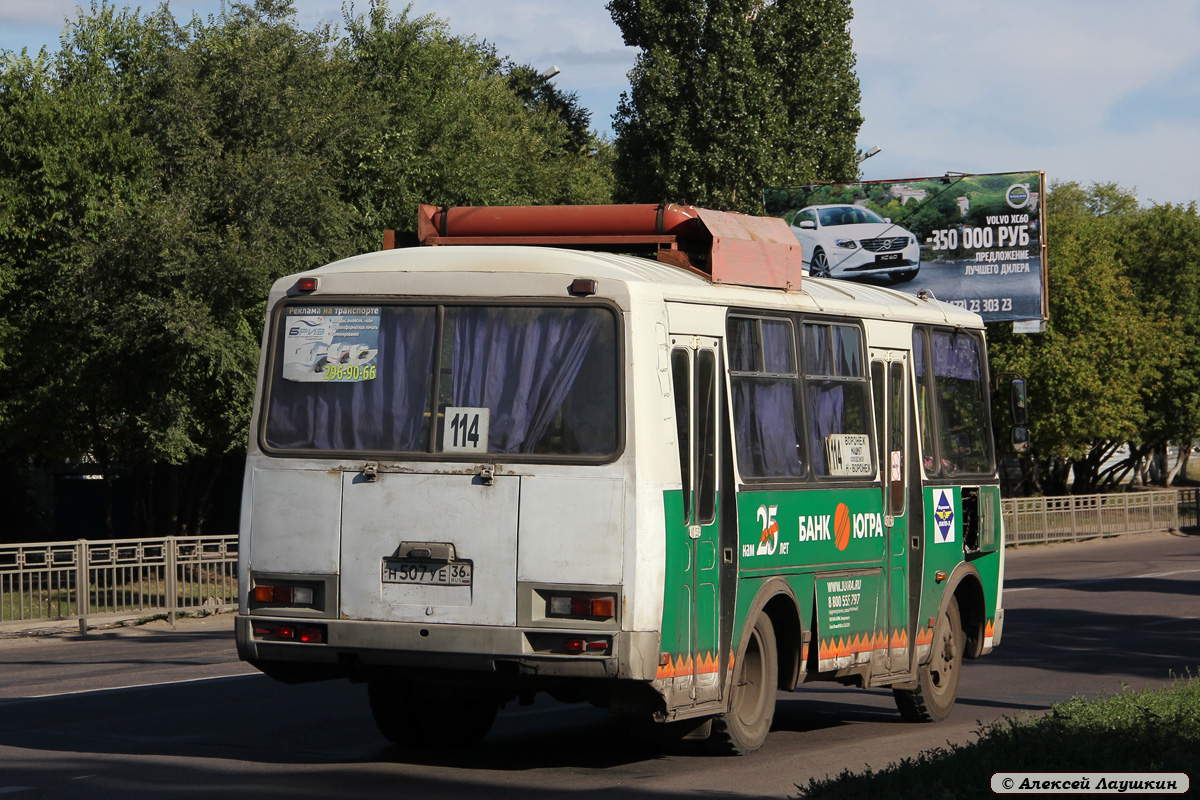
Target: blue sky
x=1086, y=90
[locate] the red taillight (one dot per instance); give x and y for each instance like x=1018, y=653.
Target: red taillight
x=312, y=635
x=579, y=645
x=306, y=285
x=603, y=607
x=283, y=594
x=285, y=632
x=563, y=606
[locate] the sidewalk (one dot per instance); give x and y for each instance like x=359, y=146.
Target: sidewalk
x=41, y=630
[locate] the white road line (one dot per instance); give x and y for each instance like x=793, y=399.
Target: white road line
x=4, y=701
x=1064, y=584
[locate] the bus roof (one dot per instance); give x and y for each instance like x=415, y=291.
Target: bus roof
x=644, y=277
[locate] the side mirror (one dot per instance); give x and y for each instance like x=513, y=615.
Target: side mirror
x=1018, y=400
x=808, y=225
x=1020, y=440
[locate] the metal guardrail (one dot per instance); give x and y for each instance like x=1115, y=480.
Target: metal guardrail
x=116, y=579
x=1029, y=520
x=88, y=581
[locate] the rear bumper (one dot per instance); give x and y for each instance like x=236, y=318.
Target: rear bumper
x=351, y=647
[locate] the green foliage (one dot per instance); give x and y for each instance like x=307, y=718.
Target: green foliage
x=155, y=179
x=730, y=96
x=1150, y=730
x=1120, y=359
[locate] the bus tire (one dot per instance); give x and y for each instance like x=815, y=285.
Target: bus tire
x=422, y=716
x=937, y=682
x=744, y=728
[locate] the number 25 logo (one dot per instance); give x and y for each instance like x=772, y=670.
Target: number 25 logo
x=770, y=530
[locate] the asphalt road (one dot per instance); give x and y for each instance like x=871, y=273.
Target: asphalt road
x=151, y=712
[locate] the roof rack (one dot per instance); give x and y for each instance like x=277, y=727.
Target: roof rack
x=722, y=246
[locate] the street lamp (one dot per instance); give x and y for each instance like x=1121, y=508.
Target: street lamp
x=874, y=151
x=550, y=73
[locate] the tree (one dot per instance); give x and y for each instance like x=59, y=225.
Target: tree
x=445, y=126
x=729, y=97
x=1161, y=247
x=155, y=179
x=1104, y=353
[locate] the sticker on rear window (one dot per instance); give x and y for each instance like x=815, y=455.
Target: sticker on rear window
x=324, y=345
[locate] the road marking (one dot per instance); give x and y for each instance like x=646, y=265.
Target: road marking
x=1063, y=584
x=6, y=701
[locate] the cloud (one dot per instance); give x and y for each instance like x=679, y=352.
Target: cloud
x=1088, y=90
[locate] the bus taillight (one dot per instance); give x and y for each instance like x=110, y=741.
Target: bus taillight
x=603, y=607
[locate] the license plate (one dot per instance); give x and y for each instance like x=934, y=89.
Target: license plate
x=884, y=258
x=427, y=573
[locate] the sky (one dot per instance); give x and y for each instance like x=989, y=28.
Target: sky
x=1093, y=91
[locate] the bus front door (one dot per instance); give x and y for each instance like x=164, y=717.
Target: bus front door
x=693, y=574
x=889, y=384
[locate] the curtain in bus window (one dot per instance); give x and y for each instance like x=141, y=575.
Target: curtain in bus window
x=778, y=355
x=768, y=442
x=764, y=405
x=835, y=387
x=962, y=419
x=817, y=358
x=384, y=414
x=847, y=352
x=520, y=363
x=743, y=345
x=826, y=416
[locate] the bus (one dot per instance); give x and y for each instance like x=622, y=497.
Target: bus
x=625, y=455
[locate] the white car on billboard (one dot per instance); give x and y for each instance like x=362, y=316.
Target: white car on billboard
x=848, y=241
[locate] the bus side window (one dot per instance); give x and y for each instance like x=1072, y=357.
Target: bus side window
x=924, y=407
x=837, y=395
x=681, y=379
x=765, y=387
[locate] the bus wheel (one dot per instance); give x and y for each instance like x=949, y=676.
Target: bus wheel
x=937, y=681
x=417, y=715
x=744, y=728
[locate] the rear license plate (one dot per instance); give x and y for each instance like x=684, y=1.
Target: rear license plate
x=886, y=258
x=428, y=573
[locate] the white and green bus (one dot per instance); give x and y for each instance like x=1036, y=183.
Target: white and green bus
x=526, y=457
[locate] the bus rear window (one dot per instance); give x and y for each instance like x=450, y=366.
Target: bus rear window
x=461, y=380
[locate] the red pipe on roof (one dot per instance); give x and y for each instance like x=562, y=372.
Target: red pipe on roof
x=610, y=220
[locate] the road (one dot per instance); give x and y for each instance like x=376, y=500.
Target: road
x=151, y=712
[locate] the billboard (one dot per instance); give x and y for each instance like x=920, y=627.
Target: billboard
x=976, y=241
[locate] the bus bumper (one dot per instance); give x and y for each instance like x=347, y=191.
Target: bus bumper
x=320, y=649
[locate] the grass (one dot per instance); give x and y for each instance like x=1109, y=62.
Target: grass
x=1146, y=731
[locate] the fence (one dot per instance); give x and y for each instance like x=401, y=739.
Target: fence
x=118, y=579
x=1056, y=519
x=89, y=581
